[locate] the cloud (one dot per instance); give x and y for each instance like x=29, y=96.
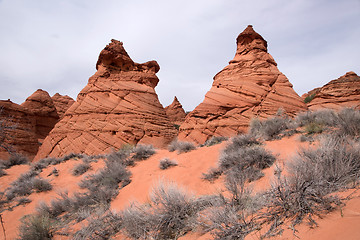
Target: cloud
x=54, y=45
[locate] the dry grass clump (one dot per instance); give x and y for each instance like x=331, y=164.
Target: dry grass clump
x=142, y=152
x=270, y=128
x=166, y=163
x=37, y=227
x=80, y=169
x=181, y=147
x=214, y=140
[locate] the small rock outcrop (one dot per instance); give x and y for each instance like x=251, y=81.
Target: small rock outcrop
x=250, y=86
x=118, y=106
x=62, y=103
x=175, y=112
x=44, y=111
x=337, y=94
x=17, y=130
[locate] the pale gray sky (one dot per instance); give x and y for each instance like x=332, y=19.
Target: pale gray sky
x=54, y=45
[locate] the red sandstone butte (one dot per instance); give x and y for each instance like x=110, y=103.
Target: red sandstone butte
x=337, y=94
x=118, y=106
x=44, y=111
x=251, y=85
x=62, y=103
x=175, y=112
x=17, y=130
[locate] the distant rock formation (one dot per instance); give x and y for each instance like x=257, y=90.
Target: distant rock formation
x=17, y=130
x=62, y=103
x=337, y=94
x=44, y=111
x=251, y=85
x=118, y=106
x=175, y=112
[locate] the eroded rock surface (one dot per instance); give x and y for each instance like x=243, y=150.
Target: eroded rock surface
x=175, y=112
x=17, y=130
x=62, y=103
x=251, y=85
x=118, y=106
x=44, y=111
x=337, y=94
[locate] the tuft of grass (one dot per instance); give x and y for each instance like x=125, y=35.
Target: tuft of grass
x=142, y=152
x=37, y=227
x=181, y=147
x=80, y=169
x=212, y=174
x=270, y=128
x=214, y=140
x=41, y=185
x=166, y=163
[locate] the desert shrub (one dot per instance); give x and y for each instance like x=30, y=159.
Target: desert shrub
x=293, y=199
x=227, y=222
x=172, y=212
x=334, y=164
x=37, y=227
x=214, y=140
x=23, y=201
x=324, y=117
x=41, y=185
x=71, y=156
x=212, y=174
x=54, y=172
x=245, y=158
x=137, y=221
x=181, y=147
x=100, y=227
x=80, y=169
x=305, y=138
x=241, y=141
x=142, y=152
x=349, y=122
x=314, y=128
x=22, y=186
x=15, y=159
x=270, y=128
x=121, y=156
x=309, y=98
x=314, y=173
x=166, y=163
x=2, y=172
x=106, y=182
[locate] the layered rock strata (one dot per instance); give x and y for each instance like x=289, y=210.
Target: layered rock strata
x=118, y=106
x=62, y=103
x=337, y=94
x=175, y=112
x=250, y=86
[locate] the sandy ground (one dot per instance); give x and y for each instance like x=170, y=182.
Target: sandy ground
x=146, y=174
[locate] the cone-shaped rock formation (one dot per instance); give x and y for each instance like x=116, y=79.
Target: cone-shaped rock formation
x=251, y=85
x=43, y=108
x=337, y=94
x=119, y=105
x=175, y=112
x=62, y=103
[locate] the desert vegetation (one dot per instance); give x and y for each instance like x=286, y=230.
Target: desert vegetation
x=180, y=146
x=302, y=191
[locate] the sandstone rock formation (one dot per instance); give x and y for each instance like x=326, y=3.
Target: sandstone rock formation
x=175, y=112
x=44, y=111
x=17, y=130
x=62, y=103
x=337, y=94
x=251, y=85
x=118, y=105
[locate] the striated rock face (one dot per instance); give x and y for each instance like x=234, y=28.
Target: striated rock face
x=337, y=94
x=251, y=85
x=62, y=103
x=118, y=106
x=44, y=111
x=17, y=130
x=175, y=112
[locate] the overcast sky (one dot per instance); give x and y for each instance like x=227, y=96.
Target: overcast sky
x=54, y=45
